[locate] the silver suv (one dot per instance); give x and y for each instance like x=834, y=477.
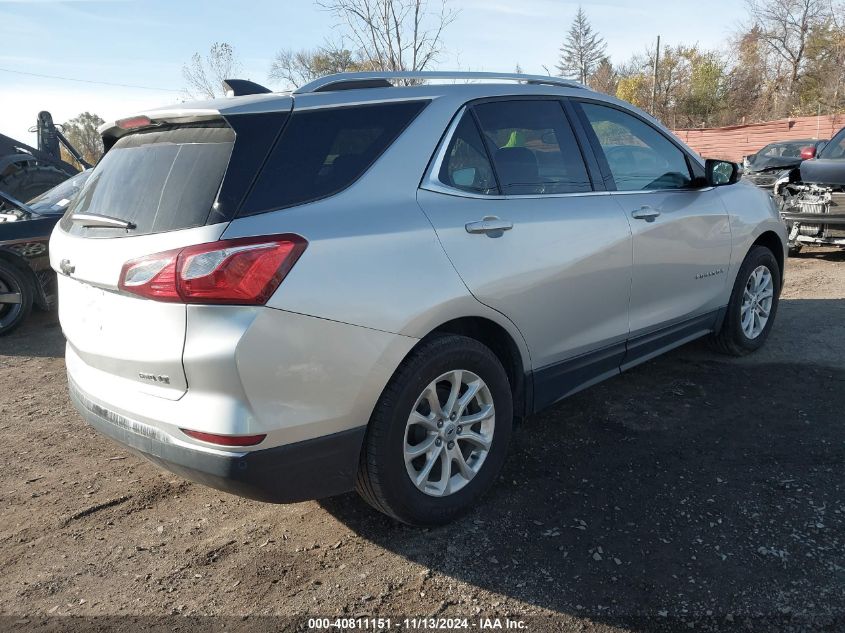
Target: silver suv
x=362, y=284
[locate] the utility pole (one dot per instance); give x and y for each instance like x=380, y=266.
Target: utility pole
x=654, y=77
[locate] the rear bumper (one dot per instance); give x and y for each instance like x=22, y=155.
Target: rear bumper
x=310, y=469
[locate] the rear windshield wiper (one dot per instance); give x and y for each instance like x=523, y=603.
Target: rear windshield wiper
x=93, y=221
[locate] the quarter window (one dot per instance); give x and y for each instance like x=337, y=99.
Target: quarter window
x=639, y=157
x=466, y=166
x=533, y=148
x=322, y=152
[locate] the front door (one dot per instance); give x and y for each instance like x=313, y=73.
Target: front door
x=681, y=230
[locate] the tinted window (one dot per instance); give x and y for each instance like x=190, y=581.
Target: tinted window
x=533, y=148
x=321, y=152
x=836, y=147
x=159, y=180
x=638, y=155
x=466, y=165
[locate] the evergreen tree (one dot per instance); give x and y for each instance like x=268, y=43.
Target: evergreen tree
x=582, y=51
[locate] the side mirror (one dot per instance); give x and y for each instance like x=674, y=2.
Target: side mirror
x=720, y=172
x=808, y=152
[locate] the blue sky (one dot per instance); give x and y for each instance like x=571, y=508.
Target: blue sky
x=146, y=43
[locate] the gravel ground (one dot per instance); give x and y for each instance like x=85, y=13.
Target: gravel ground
x=695, y=492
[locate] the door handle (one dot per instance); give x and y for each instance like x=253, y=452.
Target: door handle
x=646, y=213
x=491, y=225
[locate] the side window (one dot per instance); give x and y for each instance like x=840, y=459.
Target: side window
x=466, y=165
x=533, y=147
x=638, y=155
x=321, y=152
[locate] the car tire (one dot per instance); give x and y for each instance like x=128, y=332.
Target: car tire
x=14, y=281
x=738, y=335
x=405, y=421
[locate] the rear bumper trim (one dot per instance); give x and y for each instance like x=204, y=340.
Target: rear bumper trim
x=311, y=469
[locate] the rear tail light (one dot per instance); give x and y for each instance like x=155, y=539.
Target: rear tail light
x=244, y=271
x=808, y=152
x=225, y=440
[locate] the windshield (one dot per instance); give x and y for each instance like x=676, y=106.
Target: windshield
x=784, y=150
x=836, y=147
x=55, y=200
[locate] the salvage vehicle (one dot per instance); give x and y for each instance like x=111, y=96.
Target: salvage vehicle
x=26, y=172
x=362, y=284
x=26, y=279
x=767, y=165
x=812, y=198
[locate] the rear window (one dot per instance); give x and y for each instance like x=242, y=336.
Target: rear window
x=160, y=180
x=322, y=152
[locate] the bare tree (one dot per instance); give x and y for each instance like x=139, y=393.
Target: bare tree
x=394, y=34
x=582, y=51
x=295, y=68
x=205, y=75
x=785, y=26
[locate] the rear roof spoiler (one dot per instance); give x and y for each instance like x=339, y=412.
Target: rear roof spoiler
x=241, y=87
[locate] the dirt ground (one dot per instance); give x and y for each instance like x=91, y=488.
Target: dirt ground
x=695, y=492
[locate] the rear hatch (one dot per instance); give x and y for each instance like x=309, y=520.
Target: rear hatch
x=165, y=182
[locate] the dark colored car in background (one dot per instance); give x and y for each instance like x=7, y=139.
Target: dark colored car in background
x=26, y=279
x=766, y=166
x=812, y=198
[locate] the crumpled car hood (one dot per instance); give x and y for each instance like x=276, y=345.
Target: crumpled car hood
x=775, y=162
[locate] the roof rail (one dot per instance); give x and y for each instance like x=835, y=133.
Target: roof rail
x=340, y=81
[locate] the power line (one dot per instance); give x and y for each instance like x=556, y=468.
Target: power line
x=86, y=81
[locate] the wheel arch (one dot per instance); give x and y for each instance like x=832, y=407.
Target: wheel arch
x=772, y=241
x=503, y=345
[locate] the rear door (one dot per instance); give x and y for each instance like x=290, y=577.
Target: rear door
x=681, y=230
x=164, y=182
x=512, y=202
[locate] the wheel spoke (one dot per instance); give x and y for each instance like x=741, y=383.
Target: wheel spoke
x=471, y=392
x=467, y=472
x=474, y=438
x=456, y=378
x=412, y=452
x=427, y=422
x=433, y=456
x=758, y=279
x=746, y=322
x=11, y=297
x=485, y=414
x=433, y=400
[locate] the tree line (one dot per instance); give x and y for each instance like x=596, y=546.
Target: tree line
x=786, y=59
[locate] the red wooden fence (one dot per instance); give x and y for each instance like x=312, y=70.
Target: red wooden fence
x=735, y=141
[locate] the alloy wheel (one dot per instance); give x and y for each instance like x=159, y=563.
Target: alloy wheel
x=757, y=302
x=449, y=433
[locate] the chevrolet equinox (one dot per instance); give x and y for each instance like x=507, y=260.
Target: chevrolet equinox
x=363, y=283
